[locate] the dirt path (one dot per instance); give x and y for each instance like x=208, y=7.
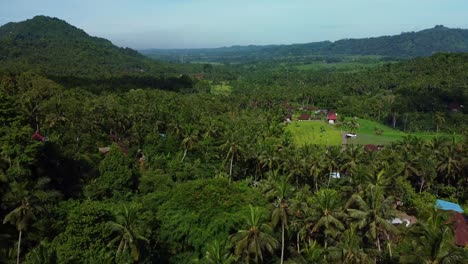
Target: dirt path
x=344, y=140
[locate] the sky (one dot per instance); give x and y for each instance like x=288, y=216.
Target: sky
x=142, y=24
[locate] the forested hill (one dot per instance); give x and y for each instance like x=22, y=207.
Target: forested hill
x=410, y=44
x=65, y=54
x=60, y=49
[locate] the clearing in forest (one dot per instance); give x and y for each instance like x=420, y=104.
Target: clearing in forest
x=314, y=132
x=369, y=132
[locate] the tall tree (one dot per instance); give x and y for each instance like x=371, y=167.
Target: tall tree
x=371, y=212
x=326, y=214
x=127, y=232
x=280, y=214
x=254, y=240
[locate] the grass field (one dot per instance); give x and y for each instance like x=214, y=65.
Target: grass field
x=309, y=132
x=221, y=89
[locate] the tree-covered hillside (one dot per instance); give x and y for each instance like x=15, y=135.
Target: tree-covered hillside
x=409, y=44
x=69, y=56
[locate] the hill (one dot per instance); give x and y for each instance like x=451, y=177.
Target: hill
x=409, y=44
x=68, y=55
x=60, y=49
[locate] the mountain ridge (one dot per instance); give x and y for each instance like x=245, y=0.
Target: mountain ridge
x=405, y=45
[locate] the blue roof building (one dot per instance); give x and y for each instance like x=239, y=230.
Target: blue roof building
x=444, y=205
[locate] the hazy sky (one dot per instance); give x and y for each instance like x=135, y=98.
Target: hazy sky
x=214, y=23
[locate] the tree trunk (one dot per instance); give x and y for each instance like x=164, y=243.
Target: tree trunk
x=394, y=120
x=282, y=243
x=19, y=247
x=422, y=185
x=389, y=246
x=185, y=153
x=230, y=169
x=378, y=243
x=298, y=239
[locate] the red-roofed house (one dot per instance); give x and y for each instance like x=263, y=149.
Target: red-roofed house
x=460, y=228
x=331, y=117
x=304, y=117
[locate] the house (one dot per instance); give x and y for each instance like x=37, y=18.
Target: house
x=331, y=117
x=334, y=175
x=454, y=107
x=38, y=137
x=288, y=118
x=448, y=206
x=104, y=150
x=403, y=218
x=371, y=147
x=460, y=228
x=303, y=117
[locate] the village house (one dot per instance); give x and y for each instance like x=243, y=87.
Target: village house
x=331, y=117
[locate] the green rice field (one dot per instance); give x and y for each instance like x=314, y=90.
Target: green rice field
x=321, y=133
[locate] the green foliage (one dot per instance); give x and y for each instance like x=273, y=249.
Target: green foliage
x=200, y=211
x=83, y=230
x=184, y=167
x=115, y=176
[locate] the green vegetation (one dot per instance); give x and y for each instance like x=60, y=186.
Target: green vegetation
x=368, y=132
x=409, y=44
x=201, y=168
x=314, y=132
x=222, y=88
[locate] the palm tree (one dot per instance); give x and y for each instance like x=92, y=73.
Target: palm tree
x=333, y=159
x=255, y=239
x=43, y=254
x=349, y=248
x=439, y=120
x=21, y=216
x=31, y=197
x=280, y=213
x=126, y=231
x=313, y=252
x=431, y=242
x=326, y=214
x=315, y=167
x=217, y=254
x=449, y=163
x=190, y=138
x=371, y=212
x=352, y=157
x=234, y=153
x=294, y=166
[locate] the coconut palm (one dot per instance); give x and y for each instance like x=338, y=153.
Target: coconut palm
x=31, y=196
x=349, y=248
x=254, y=240
x=126, y=232
x=315, y=167
x=280, y=214
x=217, y=254
x=371, y=211
x=294, y=166
x=326, y=214
x=234, y=152
x=352, y=156
x=190, y=138
x=439, y=120
x=21, y=217
x=449, y=163
x=42, y=254
x=431, y=242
